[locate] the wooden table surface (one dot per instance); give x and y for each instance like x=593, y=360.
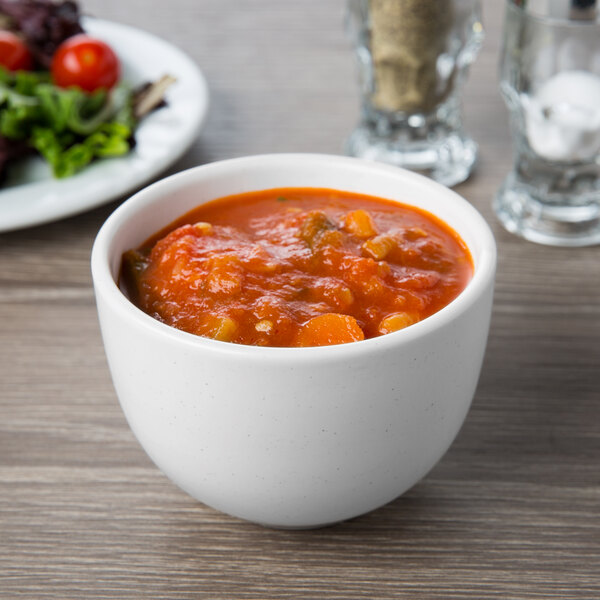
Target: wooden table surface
x=511, y=511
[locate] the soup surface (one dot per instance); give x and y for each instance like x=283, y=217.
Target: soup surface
x=297, y=267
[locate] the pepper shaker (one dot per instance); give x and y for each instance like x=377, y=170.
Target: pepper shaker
x=413, y=57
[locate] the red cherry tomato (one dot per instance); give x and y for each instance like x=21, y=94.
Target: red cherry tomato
x=14, y=54
x=85, y=62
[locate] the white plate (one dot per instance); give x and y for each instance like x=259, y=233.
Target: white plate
x=31, y=195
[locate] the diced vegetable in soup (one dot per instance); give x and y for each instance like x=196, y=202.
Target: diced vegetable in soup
x=298, y=267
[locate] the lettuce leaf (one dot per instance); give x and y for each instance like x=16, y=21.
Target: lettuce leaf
x=67, y=157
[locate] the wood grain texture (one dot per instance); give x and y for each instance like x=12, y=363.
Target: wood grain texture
x=512, y=510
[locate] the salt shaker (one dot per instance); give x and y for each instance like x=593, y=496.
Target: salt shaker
x=550, y=81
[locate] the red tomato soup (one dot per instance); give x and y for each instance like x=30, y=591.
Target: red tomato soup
x=297, y=267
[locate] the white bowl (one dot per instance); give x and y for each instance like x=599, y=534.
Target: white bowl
x=293, y=437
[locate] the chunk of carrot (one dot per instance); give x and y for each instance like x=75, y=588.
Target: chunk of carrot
x=219, y=328
x=397, y=321
x=360, y=223
x=328, y=330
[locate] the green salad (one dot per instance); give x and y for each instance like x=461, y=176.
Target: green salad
x=68, y=127
x=61, y=92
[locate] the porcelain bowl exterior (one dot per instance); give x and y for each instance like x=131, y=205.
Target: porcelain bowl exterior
x=293, y=437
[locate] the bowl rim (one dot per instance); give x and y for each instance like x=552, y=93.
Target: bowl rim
x=106, y=286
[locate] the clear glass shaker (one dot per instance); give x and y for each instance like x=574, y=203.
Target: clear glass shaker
x=413, y=57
